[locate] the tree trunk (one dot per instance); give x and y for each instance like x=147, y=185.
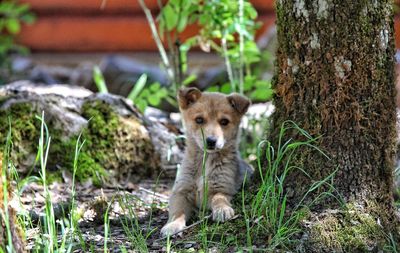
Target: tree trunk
x=335, y=79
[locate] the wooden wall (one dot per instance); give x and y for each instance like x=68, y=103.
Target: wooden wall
x=112, y=25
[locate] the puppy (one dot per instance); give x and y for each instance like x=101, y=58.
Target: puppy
x=212, y=124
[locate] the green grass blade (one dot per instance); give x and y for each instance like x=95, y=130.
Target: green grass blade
x=98, y=79
x=138, y=87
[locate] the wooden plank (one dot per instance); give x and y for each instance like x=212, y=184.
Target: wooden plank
x=87, y=34
x=111, y=6
x=397, y=31
x=72, y=7
x=264, y=5
x=74, y=34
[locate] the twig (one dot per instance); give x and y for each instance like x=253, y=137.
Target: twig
x=153, y=193
x=192, y=225
x=228, y=63
x=241, y=46
x=156, y=37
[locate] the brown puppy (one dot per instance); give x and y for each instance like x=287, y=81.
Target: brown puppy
x=218, y=116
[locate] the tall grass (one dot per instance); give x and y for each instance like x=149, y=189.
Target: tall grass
x=50, y=230
x=269, y=205
x=4, y=163
x=56, y=233
x=99, y=80
x=263, y=213
x=130, y=224
x=204, y=197
x=106, y=227
x=73, y=216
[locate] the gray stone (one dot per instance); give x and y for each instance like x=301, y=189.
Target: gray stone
x=121, y=73
x=142, y=144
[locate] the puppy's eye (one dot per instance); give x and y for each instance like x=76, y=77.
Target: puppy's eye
x=199, y=120
x=224, y=122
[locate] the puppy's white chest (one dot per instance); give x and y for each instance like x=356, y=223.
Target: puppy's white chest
x=202, y=186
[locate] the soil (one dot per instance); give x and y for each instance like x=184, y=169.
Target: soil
x=148, y=200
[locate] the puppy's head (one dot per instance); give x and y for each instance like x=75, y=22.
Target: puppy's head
x=216, y=114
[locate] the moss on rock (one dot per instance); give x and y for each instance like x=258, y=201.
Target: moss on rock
x=25, y=129
x=112, y=142
x=353, y=230
x=118, y=143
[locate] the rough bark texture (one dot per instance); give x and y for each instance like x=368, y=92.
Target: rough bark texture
x=335, y=79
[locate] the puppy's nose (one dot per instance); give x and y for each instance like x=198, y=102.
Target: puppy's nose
x=211, y=141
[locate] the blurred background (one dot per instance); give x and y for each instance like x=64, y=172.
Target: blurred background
x=68, y=39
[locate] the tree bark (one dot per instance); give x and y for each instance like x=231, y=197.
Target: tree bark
x=335, y=79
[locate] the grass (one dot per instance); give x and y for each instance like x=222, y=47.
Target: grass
x=204, y=225
x=268, y=206
x=137, y=236
x=4, y=179
x=56, y=235
x=263, y=214
x=49, y=226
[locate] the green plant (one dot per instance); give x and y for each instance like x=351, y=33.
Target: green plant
x=221, y=29
x=106, y=227
x=392, y=245
x=141, y=95
x=204, y=203
x=56, y=233
x=257, y=90
x=98, y=79
x=228, y=27
x=49, y=226
x=73, y=215
x=225, y=21
x=264, y=212
x=131, y=226
x=5, y=215
x=269, y=204
x=12, y=15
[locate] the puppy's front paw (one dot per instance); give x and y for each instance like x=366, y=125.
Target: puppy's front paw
x=173, y=227
x=222, y=213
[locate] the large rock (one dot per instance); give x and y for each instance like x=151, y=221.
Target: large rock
x=119, y=141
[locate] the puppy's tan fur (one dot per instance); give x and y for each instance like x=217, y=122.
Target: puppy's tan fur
x=224, y=169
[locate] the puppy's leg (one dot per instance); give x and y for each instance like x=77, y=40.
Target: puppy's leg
x=180, y=209
x=221, y=207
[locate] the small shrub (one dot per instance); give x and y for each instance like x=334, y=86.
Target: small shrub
x=12, y=16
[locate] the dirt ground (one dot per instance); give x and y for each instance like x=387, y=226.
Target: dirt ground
x=148, y=201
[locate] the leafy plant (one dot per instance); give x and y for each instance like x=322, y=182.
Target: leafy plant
x=227, y=27
x=12, y=16
x=254, y=88
x=220, y=26
x=141, y=95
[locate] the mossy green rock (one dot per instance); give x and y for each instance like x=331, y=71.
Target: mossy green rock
x=354, y=228
x=116, y=142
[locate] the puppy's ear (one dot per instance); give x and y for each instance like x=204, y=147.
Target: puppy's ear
x=239, y=103
x=188, y=96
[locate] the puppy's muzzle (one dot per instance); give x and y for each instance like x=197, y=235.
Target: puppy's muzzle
x=211, y=142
